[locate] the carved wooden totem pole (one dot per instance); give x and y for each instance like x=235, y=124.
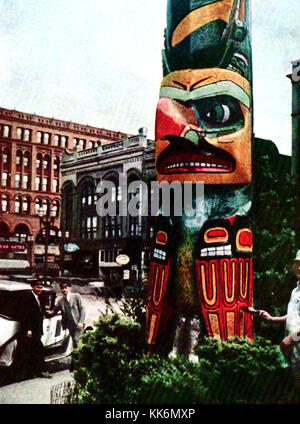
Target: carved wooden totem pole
x=203, y=267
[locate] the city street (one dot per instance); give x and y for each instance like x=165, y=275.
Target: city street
x=37, y=390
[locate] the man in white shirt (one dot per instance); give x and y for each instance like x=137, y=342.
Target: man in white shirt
x=290, y=345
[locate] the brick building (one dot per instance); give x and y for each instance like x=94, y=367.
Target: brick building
x=31, y=148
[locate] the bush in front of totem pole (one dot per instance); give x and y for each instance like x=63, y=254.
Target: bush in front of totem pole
x=248, y=372
x=112, y=367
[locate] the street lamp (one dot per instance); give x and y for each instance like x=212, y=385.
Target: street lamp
x=47, y=218
x=30, y=240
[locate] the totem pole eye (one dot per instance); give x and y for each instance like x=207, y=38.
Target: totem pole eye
x=244, y=242
x=216, y=235
x=219, y=113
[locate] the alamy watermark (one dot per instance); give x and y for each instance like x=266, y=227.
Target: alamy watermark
x=140, y=199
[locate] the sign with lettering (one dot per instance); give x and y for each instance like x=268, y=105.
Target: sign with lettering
x=12, y=246
x=122, y=259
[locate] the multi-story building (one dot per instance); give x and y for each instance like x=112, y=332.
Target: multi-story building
x=31, y=149
x=100, y=239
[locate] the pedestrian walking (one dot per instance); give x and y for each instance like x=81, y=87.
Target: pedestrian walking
x=73, y=312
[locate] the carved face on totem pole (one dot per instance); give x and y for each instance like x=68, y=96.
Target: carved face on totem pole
x=203, y=127
x=203, y=132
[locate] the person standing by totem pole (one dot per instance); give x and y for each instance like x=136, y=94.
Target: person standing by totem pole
x=290, y=345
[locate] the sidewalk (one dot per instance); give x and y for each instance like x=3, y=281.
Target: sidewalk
x=32, y=392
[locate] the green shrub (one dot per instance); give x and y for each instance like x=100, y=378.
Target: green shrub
x=102, y=359
x=113, y=367
x=247, y=372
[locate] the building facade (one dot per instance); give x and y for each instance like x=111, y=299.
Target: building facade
x=31, y=149
x=100, y=239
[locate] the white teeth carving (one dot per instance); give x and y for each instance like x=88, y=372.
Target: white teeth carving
x=196, y=164
x=216, y=251
x=159, y=254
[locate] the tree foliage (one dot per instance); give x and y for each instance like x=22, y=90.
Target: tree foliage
x=275, y=225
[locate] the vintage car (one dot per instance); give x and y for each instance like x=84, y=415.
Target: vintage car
x=56, y=340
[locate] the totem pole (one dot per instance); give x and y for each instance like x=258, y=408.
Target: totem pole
x=203, y=132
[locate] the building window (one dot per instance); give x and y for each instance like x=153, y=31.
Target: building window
x=87, y=196
x=26, y=135
x=25, y=181
x=4, y=179
x=56, y=140
x=94, y=226
x=6, y=131
x=83, y=228
x=46, y=138
x=23, y=134
x=18, y=159
x=18, y=204
x=38, y=205
x=56, y=165
x=26, y=205
x=37, y=183
x=42, y=137
x=55, y=185
x=26, y=160
x=88, y=227
x=17, y=180
x=45, y=184
x=55, y=208
x=4, y=203
x=102, y=255
x=19, y=133
x=4, y=157
x=63, y=142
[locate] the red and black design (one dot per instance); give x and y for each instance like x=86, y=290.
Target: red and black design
x=159, y=310
x=225, y=277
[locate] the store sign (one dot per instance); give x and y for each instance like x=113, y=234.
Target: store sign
x=12, y=246
x=71, y=247
x=122, y=259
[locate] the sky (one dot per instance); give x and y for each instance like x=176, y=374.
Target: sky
x=98, y=62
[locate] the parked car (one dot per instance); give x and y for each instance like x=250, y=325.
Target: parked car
x=56, y=340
